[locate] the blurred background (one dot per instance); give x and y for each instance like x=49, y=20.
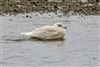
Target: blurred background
x=86, y=7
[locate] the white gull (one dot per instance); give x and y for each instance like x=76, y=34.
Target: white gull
x=55, y=31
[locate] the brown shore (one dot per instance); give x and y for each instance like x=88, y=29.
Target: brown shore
x=28, y=6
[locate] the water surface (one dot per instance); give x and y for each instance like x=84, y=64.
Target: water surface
x=80, y=47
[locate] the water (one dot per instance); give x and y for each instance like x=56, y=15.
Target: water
x=80, y=47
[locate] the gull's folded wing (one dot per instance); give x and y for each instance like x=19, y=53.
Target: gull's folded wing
x=45, y=32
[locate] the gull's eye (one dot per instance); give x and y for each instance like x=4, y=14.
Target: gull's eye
x=59, y=25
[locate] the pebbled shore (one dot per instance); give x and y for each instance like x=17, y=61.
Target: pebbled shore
x=28, y=6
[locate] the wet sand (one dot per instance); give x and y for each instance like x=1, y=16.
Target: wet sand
x=80, y=47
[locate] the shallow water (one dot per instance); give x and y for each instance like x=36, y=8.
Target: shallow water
x=80, y=47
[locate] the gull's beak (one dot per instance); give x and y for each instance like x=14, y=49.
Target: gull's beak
x=65, y=27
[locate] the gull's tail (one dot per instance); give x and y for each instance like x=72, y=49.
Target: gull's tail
x=27, y=33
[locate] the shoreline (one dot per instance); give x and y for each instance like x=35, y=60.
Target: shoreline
x=17, y=7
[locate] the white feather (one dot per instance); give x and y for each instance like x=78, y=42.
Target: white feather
x=27, y=33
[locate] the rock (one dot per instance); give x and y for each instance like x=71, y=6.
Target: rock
x=27, y=16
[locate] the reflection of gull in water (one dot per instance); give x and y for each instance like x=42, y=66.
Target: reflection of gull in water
x=48, y=32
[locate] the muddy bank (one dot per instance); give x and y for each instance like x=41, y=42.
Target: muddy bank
x=27, y=6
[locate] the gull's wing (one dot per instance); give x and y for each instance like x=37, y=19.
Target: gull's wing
x=46, y=32
x=45, y=28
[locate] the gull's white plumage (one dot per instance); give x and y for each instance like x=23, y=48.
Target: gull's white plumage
x=48, y=32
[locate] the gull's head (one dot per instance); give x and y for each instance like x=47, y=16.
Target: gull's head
x=60, y=25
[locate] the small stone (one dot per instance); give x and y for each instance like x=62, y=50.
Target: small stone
x=52, y=17
x=10, y=19
x=44, y=57
x=27, y=16
x=94, y=58
x=55, y=7
x=21, y=52
x=30, y=17
x=36, y=14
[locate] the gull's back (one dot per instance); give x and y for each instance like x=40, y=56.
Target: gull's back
x=48, y=32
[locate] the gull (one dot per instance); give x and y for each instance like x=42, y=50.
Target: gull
x=53, y=32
